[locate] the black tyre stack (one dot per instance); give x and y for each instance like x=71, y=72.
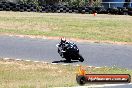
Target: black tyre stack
x=21, y=7
x=122, y=11
x=91, y=10
x=64, y=9
x=33, y=8
x=27, y=7
x=60, y=9
x=98, y=10
x=70, y=9
x=1, y=7
x=46, y=8
x=12, y=6
x=53, y=8
x=101, y=10
x=17, y=7
x=67, y=9
x=112, y=11
x=87, y=10
x=41, y=9
x=7, y=7
x=74, y=9
x=130, y=10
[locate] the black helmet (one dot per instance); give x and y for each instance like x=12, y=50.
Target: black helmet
x=63, y=40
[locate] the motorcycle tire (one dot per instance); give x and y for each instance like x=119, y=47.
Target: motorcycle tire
x=81, y=58
x=68, y=59
x=58, y=51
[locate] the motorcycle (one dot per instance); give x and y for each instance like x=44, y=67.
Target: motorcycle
x=70, y=52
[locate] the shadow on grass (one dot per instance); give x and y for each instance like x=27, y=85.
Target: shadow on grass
x=64, y=61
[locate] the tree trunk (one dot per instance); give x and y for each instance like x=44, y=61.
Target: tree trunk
x=90, y=2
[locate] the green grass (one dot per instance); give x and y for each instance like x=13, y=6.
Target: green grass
x=22, y=74
x=83, y=26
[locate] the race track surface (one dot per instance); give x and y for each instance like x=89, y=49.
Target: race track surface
x=45, y=50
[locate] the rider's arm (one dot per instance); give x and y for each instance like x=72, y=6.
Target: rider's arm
x=60, y=44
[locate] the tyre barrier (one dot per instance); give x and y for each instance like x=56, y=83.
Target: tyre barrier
x=1, y=7
x=129, y=11
x=9, y=6
x=112, y=11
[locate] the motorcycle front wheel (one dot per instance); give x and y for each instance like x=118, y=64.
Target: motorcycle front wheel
x=68, y=59
x=81, y=59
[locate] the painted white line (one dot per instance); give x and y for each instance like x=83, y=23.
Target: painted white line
x=6, y=58
x=107, y=85
x=77, y=65
x=65, y=64
x=18, y=59
x=97, y=86
x=11, y=35
x=44, y=37
x=54, y=63
x=36, y=61
x=90, y=66
x=21, y=36
x=45, y=62
x=31, y=36
x=28, y=60
x=98, y=67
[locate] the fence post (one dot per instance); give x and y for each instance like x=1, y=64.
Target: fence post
x=109, y=4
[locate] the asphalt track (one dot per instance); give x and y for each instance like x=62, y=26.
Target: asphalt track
x=45, y=50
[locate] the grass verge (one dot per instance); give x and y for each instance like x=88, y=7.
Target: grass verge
x=23, y=74
x=83, y=26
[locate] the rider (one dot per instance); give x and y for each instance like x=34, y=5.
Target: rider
x=62, y=44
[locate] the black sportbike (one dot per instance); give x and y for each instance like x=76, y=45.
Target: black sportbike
x=70, y=52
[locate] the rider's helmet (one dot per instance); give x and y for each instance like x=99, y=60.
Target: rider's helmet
x=63, y=40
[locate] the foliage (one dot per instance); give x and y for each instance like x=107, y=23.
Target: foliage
x=67, y=2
